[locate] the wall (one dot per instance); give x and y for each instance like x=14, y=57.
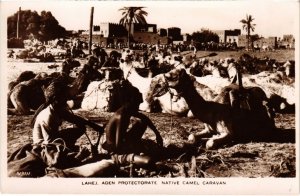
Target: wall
x=270, y=41
x=149, y=38
x=175, y=33
x=242, y=41
x=231, y=39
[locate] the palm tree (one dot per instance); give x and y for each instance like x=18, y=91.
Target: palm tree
x=132, y=15
x=248, y=26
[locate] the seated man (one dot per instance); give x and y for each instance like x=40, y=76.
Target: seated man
x=236, y=92
x=50, y=115
x=124, y=139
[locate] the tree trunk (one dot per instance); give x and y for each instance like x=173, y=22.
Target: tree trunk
x=129, y=31
x=248, y=39
x=18, y=21
x=91, y=30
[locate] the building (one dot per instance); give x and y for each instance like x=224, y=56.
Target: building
x=221, y=35
x=149, y=38
x=242, y=41
x=174, y=33
x=228, y=36
x=148, y=34
x=107, y=33
x=112, y=30
x=187, y=38
x=138, y=27
x=162, y=32
x=263, y=42
x=288, y=41
x=231, y=36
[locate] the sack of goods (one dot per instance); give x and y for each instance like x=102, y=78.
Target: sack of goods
x=103, y=95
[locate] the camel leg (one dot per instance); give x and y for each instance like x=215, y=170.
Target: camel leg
x=206, y=132
x=190, y=114
x=218, y=140
x=9, y=104
x=234, y=100
x=19, y=104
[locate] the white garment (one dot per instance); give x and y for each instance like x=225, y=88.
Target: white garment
x=232, y=72
x=46, y=126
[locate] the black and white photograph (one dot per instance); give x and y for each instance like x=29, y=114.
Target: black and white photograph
x=150, y=97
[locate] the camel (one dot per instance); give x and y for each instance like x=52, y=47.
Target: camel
x=211, y=88
x=170, y=101
x=85, y=76
x=224, y=123
x=24, y=76
x=79, y=85
x=29, y=95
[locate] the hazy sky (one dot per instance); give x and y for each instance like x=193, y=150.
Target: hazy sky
x=272, y=17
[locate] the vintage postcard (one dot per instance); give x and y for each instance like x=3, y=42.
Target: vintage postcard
x=150, y=97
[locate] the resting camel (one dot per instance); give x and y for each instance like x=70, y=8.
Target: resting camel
x=24, y=76
x=29, y=95
x=170, y=101
x=224, y=123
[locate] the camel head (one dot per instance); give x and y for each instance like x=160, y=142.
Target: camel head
x=158, y=87
x=179, y=79
x=127, y=55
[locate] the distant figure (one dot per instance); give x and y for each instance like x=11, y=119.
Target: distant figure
x=234, y=74
x=236, y=93
x=178, y=62
x=195, y=50
x=153, y=66
x=145, y=58
x=102, y=57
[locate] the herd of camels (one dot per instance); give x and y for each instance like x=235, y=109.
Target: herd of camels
x=223, y=123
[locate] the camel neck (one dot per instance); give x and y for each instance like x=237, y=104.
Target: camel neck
x=191, y=95
x=195, y=102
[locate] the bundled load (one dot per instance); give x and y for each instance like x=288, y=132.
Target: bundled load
x=104, y=95
x=273, y=83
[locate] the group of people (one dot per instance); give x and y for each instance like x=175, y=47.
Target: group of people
x=123, y=132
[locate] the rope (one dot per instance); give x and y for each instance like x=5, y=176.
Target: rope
x=60, y=140
x=84, y=129
x=171, y=96
x=171, y=117
x=129, y=72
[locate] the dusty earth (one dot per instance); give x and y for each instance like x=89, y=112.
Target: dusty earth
x=254, y=159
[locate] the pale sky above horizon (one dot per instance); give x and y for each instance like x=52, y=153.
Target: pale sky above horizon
x=272, y=17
